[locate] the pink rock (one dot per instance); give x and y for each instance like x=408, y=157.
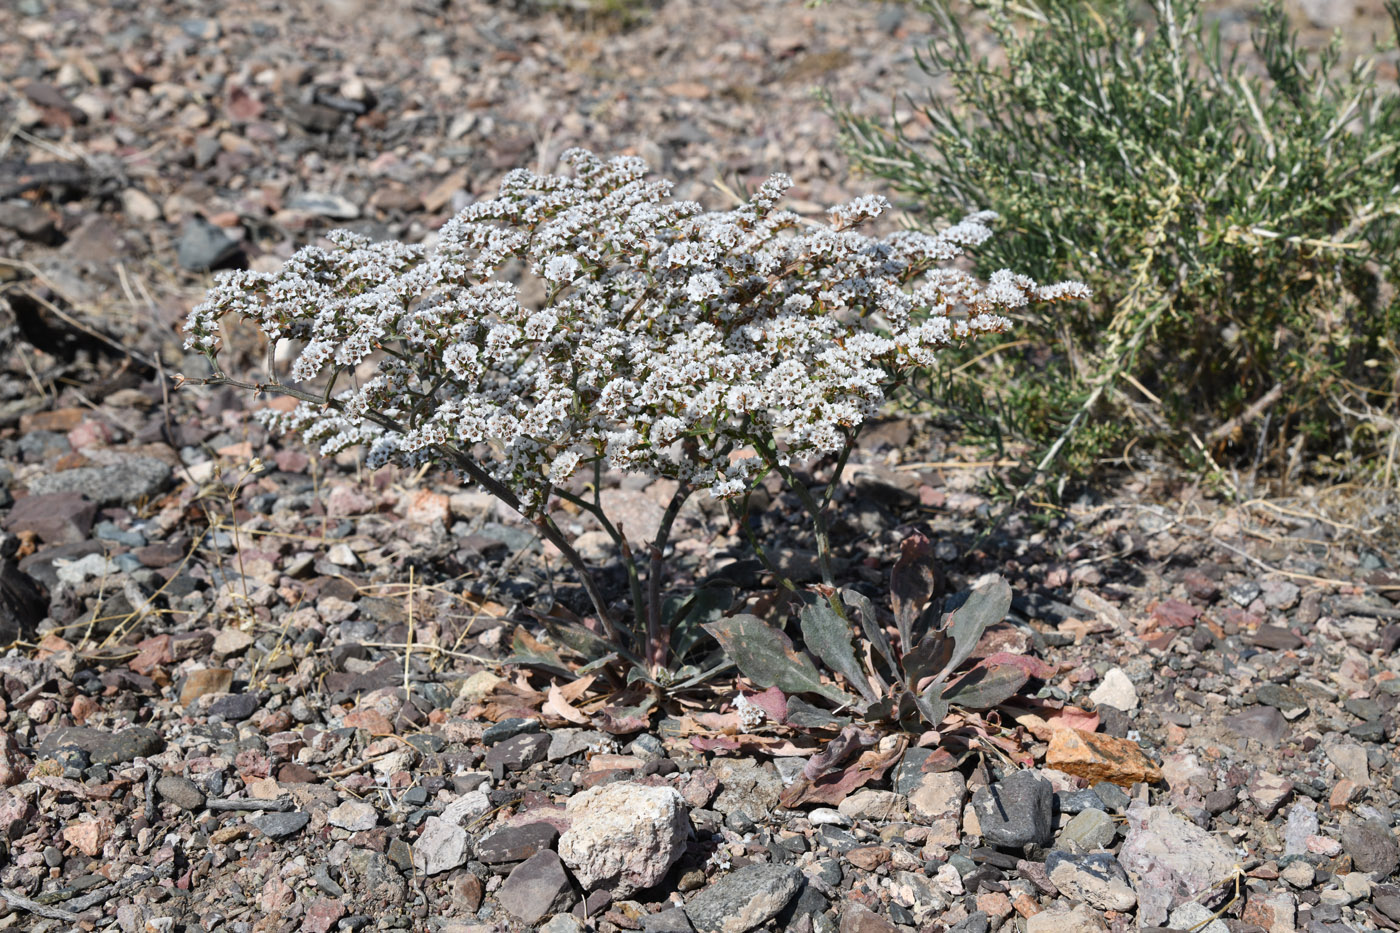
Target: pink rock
x=90, y=434
x=88, y=837
x=344, y=500
x=1322, y=845
x=15, y=814
x=426, y=507
x=322, y=916
x=291, y=461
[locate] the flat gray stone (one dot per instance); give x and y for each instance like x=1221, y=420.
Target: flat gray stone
x=516, y=843
x=278, y=825
x=180, y=791
x=745, y=899
x=103, y=747
x=1096, y=879
x=537, y=888
x=124, y=483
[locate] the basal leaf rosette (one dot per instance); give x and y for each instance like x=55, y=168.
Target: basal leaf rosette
x=668, y=338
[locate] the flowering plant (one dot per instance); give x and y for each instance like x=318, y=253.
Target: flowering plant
x=707, y=348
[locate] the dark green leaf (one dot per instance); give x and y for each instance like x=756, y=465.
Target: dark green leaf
x=828, y=636
x=870, y=624
x=985, y=606
x=686, y=617
x=766, y=656
x=803, y=715
x=986, y=687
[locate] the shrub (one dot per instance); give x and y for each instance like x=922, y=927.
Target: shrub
x=706, y=348
x=1237, y=216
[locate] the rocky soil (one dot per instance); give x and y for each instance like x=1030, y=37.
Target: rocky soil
x=275, y=697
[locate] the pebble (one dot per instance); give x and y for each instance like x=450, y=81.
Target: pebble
x=203, y=246
x=1100, y=758
x=537, y=888
x=1116, y=690
x=440, y=847
x=278, y=825
x=516, y=843
x=744, y=900
x=180, y=791
x=1372, y=847
x=1016, y=811
x=624, y=835
x=127, y=482
x=354, y=816
x=1087, y=831
x=1172, y=860
x=1096, y=879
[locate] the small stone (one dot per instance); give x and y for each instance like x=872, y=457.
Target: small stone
x=1299, y=873
x=671, y=920
x=1275, y=638
x=537, y=888
x=868, y=858
x=333, y=206
x=1061, y=917
x=1242, y=594
x=1098, y=757
x=1197, y=918
x=88, y=836
x=1087, y=831
x=342, y=556
x=516, y=843
x=60, y=518
x=139, y=207
x=354, y=816
x=103, y=747
x=1268, y=792
x=204, y=246
x=744, y=899
x=518, y=753
x=875, y=805
x=1372, y=847
x=857, y=918
x=204, y=682
x=1096, y=879
x=508, y=729
x=1016, y=810
x=441, y=846
x=322, y=916
x=624, y=836
x=565, y=923
x=180, y=791
x=278, y=825
x=1344, y=793
x=1350, y=759
x=127, y=482
x=232, y=641
x=1280, y=595
x=235, y=707
x=1287, y=700
x=1264, y=724
x=1302, y=824
x=1116, y=690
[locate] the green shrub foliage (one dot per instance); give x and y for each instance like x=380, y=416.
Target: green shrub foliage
x=1236, y=213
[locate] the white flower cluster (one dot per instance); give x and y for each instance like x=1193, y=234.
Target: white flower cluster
x=669, y=338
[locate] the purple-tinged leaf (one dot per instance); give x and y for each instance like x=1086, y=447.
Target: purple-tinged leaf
x=870, y=624
x=914, y=581
x=986, y=687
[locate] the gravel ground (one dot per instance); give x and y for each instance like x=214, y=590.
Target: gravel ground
x=275, y=700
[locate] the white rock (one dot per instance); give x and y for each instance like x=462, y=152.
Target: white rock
x=342, y=556
x=1171, y=860
x=825, y=816
x=1191, y=916
x=1059, y=917
x=353, y=815
x=441, y=846
x=1116, y=691
x=876, y=805
x=624, y=835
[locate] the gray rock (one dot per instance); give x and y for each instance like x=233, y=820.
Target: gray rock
x=1302, y=823
x=566, y=743
x=672, y=920
x=516, y=843
x=1242, y=594
x=204, y=246
x=235, y=707
x=1017, y=810
x=103, y=747
x=1096, y=879
x=278, y=825
x=537, y=887
x=745, y=899
x=1262, y=723
x=326, y=205
x=1087, y=831
x=180, y=791
x=1372, y=847
x=440, y=846
x=509, y=729
x=124, y=483
x=353, y=816
x=746, y=786
x=518, y=753
x=1285, y=699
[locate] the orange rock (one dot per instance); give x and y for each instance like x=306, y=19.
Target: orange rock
x=1026, y=905
x=204, y=682
x=1096, y=757
x=88, y=837
x=994, y=904
x=1344, y=793
x=868, y=858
